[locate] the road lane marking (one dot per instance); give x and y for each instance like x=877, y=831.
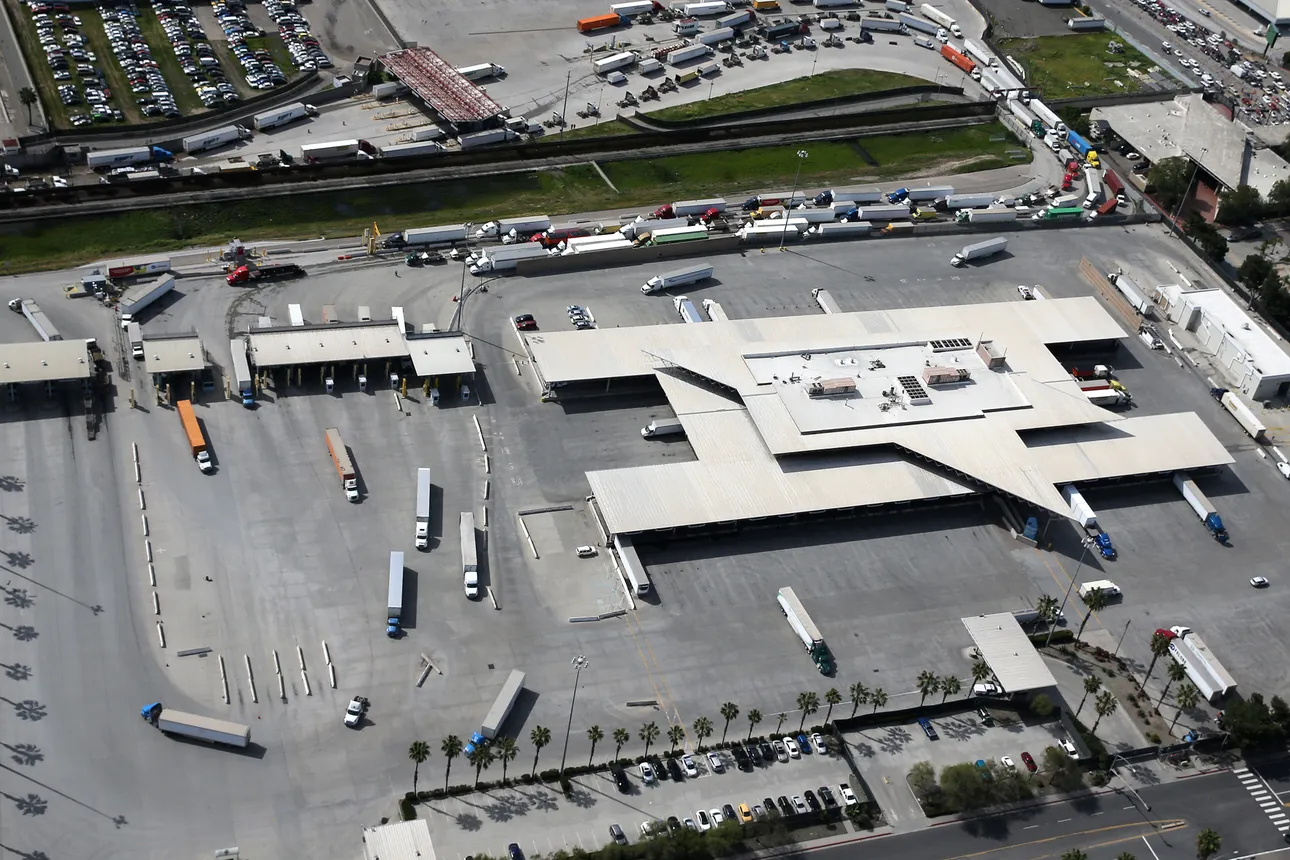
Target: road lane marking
x=1149, y=848
x=1097, y=813
x=1157, y=824
x=1063, y=820
x=1030, y=827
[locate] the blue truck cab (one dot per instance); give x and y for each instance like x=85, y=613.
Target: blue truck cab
x=898, y=196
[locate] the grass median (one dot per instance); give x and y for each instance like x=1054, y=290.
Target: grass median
x=1079, y=64
x=826, y=85
x=579, y=188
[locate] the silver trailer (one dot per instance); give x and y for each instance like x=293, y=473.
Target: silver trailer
x=39, y=321
x=502, y=705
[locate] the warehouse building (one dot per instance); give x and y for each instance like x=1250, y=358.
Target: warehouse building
x=803, y=416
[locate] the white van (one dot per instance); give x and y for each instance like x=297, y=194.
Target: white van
x=1106, y=586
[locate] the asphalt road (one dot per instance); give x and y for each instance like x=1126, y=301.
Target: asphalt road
x=1102, y=826
x=13, y=77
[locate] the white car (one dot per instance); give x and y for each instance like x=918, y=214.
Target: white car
x=354, y=713
x=1007, y=762
x=1070, y=749
x=705, y=823
x=716, y=816
x=817, y=741
x=793, y=750
x=1259, y=582
x=1025, y=292
x=714, y=760
x=586, y=551
x=691, y=769
x=1284, y=469
x=848, y=796
x=647, y=772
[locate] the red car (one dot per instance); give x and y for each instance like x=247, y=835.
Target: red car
x=1029, y=761
x=525, y=322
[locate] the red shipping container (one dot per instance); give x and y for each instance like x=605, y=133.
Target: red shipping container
x=958, y=59
x=1113, y=182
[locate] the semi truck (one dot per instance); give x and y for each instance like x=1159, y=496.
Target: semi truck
x=980, y=250
x=506, y=259
x=614, y=61
x=786, y=199
x=635, y=7
x=881, y=25
x=958, y=58
x=134, y=334
x=344, y=468
x=1079, y=143
x=1108, y=397
x=857, y=196
x=263, y=274
x=690, y=208
x=1081, y=511
x=513, y=228
x=1025, y=117
x=825, y=301
x=469, y=555
x=690, y=52
x=915, y=23
x=282, y=115
x=138, y=298
x=1244, y=416
x=486, y=138
x=196, y=441
x=598, y=22
x=673, y=235
x=39, y=321
x=1093, y=184
x=678, y=278
x=242, y=382
x=1202, y=506
x=1049, y=118
x=932, y=13
x=411, y=149
x=133, y=268
x=954, y=202
x=985, y=216
x=444, y=234
x=1058, y=213
x=847, y=230
x=806, y=630
x=686, y=310
x=878, y=213
x=394, y=609
x=423, y=509
x=198, y=728
x=497, y=714
x=977, y=51
x=480, y=71
x=215, y=137
x=736, y=19
x=662, y=427
x=1210, y=677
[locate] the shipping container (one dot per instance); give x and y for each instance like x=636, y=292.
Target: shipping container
x=614, y=61
x=481, y=71
x=958, y=59
x=598, y=22
x=411, y=150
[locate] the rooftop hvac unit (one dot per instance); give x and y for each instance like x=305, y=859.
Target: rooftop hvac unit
x=990, y=354
x=945, y=375
x=831, y=387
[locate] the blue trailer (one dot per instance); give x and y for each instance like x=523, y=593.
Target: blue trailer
x=1078, y=143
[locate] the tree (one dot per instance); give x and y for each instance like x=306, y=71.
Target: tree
x=451, y=748
x=1159, y=648
x=1240, y=205
x=1252, y=272
x=950, y=686
x=418, y=752
x=1171, y=179
x=595, y=735
x=1063, y=771
x=675, y=734
x=879, y=699
x=507, y=750
x=808, y=703
x=621, y=736
x=1095, y=600
x=1074, y=854
x=27, y=98
x=481, y=757
x=980, y=671
x=648, y=733
x=1205, y=235
x=754, y=717
x=1176, y=672
x=729, y=710
x=539, y=737
x=832, y=697
x=1105, y=706
x=1279, y=195
x=1208, y=843
x=1042, y=706
x=1048, y=608
x=702, y=730
x=1125, y=855
x=922, y=778
x=1186, y=699
x=1091, y=685
x=783, y=715
x=927, y=684
x=859, y=696
x=963, y=786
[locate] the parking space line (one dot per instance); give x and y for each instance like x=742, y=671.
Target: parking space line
x=1149, y=848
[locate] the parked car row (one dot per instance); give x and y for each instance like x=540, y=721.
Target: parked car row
x=135, y=58
x=194, y=53
x=293, y=27
x=746, y=756
x=64, y=46
x=257, y=64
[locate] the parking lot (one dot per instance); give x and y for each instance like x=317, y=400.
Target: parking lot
x=291, y=563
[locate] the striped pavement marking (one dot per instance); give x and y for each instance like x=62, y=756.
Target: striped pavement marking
x=1265, y=798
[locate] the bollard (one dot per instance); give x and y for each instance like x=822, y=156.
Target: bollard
x=152, y=576
x=326, y=653
x=222, y=674
x=331, y=671
x=480, y=432
x=518, y=372
x=488, y=485
x=305, y=678
x=493, y=598
x=483, y=517
x=134, y=448
x=224, y=684
x=161, y=635
x=144, y=517
x=156, y=604
x=147, y=547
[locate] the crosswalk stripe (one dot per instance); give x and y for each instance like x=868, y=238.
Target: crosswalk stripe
x=1280, y=816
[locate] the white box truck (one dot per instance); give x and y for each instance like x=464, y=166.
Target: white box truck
x=423, y=509
x=469, y=555
x=662, y=427
x=678, y=278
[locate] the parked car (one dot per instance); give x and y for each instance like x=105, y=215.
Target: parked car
x=826, y=797
x=620, y=779
x=817, y=741
x=715, y=762
x=647, y=773
x=928, y=728
x=811, y=800
x=705, y=823
x=691, y=769
x=791, y=746
x=799, y=804
x=674, y=769
x=1028, y=760
x=784, y=806
x=616, y=833
x=781, y=751
x=848, y=796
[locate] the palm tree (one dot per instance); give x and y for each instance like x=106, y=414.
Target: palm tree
x=539, y=737
x=451, y=748
x=879, y=699
x=702, y=730
x=675, y=735
x=859, y=696
x=1048, y=608
x=1091, y=685
x=1186, y=699
x=927, y=684
x=1105, y=706
x=729, y=710
x=808, y=703
x=1095, y=600
x=418, y=752
x=481, y=757
x=1176, y=672
x=754, y=717
x=980, y=671
x=832, y=697
x=595, y=735
x=649, y=734
x=783, y=715
x=1074, y=854
x=621, y=736
x=950, y=686
x=507, y=750
x=28, y=98
x=1208, y=843
x=1159, y=648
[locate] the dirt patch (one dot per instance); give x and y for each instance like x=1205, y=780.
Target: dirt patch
x=1010, y=19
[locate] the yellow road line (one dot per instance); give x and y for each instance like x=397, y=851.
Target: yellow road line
x=1155, y=825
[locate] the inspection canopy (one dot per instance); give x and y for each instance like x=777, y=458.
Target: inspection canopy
x=289, y=346
x=1009, y=653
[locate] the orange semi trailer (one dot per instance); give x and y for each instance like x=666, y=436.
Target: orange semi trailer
x=958, y=58
x=196, y=441
x=599, y=22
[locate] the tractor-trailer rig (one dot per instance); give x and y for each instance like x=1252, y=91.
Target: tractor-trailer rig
x=216, y=137
x=504, y=227
x=486, y=138
x=481, y=70
x=469, y=555
x=614, y=61
x=714, y=37
x=878, y=213
x=772, y=232
x=640, y=228
x=242, y=372
x=283, y=115
x=806, y=630
x=199, y=728
x=1107, y=397
x=916, y=23
x=1022, y=113
x=683, y=208
x=635, y=7
x=411, y=150
x=1201, y=505
x=1203, y=668
x=423, y=509
x=138, y=298
x=1081, y=511
x=856, y=196
x=706, y=7
x=134, y=336
x=1049, y=118
x=884, y=25
x=502, y=705
x=394, y=607
x=825, y=301
x=674, y=235
x=1093, y=184
x=332, y=149
x=691, y=52
x=978, y=52
x=344, y=468
x=1243, y=414
x=736, y=19
x=686, y=310
x=443, y=234
x=196, y=441
x=506, y=259
x=678, y=278
x=843, y=230
x=932, y=13
x=598, y=22
x=985, y=216
x=980, y=250
x=834, y=4
x=955, y=202
x=1130, y=290
x=39, y=321
x=105, y=158
x=272, y=272
x=929, y=194
x=1079, y=143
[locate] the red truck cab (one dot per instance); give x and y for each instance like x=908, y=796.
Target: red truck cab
x=664, y=211
x=240, y=275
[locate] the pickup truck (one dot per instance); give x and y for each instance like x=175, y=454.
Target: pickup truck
x=356, y=711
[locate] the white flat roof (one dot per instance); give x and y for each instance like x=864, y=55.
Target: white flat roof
x=406, y=840
x=44, y=362
x=1270, y=358
x=440, y=354
x=320, y=344
x=173, y=353
x=1009, y=653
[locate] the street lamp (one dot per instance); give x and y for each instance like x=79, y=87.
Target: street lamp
x=1127, y=784
x=802, y=155
x=1052, y=628
x=579, y=663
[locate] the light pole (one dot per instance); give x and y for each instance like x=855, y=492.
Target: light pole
x=1121, y=642
x=802, y=155
x=1127, y=784
x=1088, y=542
x=579, y=663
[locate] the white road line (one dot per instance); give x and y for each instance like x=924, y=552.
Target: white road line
x=1149, y=848
x=1097, y=813
x=1240, y=770
x=1277, y=817
x=1130, y=807
x=1030, y=827
x=1063, y=820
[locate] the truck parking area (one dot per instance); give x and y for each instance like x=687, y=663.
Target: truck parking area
x=267, y=554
